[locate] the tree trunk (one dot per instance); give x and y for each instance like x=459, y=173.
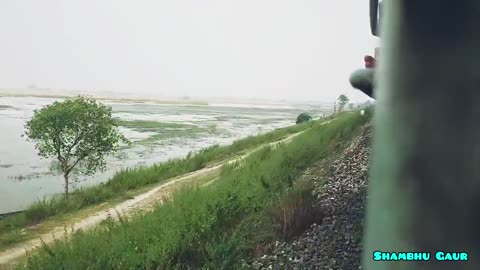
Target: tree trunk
x=424, y=189
x=65, y=177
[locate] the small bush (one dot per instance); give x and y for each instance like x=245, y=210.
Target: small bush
x=303, y=117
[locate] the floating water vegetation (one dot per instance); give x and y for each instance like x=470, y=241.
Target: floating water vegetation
x=162, y=130
x=212, y=128
x=169, y=134
x=6, y=165
x=145, y=125
x=6, y=107
x=22, y=177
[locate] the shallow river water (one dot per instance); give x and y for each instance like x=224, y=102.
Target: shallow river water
x=25, y=177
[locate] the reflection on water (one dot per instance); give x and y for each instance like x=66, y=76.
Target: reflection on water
x=25, y=177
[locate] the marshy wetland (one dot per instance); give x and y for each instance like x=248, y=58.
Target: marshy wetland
x=158, y=132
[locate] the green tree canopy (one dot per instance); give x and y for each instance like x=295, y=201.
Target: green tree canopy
x=78, y=132
x=342, y=101
x=303, y=117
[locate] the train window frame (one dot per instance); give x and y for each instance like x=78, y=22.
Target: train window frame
x=375, y=16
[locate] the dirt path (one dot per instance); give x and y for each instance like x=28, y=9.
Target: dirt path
x=144, y=201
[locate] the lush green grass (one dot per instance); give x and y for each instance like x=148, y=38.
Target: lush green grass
x=216, y=226
x=131, y=179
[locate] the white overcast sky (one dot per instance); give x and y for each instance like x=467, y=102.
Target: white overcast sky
x=239, y=48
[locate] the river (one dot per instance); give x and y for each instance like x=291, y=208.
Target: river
x=25, y=177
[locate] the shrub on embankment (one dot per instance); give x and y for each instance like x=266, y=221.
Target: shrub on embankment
x=131, y=179
x=206, y=228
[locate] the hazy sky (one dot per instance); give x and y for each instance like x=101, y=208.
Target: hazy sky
x=248, y=48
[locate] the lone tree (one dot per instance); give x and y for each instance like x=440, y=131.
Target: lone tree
x=78, y=132
x=342, y=101
x=302, y=118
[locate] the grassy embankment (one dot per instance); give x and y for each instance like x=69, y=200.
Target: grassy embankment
x=253, y=203
x=12, y=228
